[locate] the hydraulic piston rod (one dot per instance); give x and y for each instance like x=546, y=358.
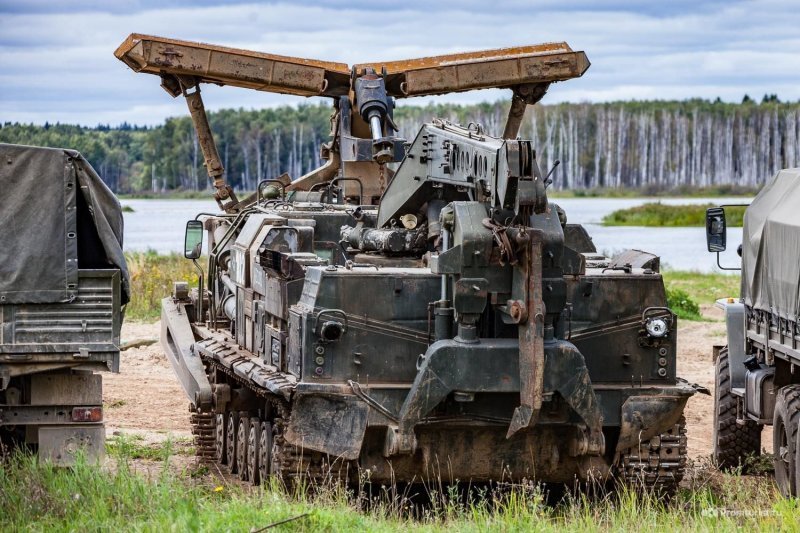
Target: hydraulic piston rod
x=375, y=126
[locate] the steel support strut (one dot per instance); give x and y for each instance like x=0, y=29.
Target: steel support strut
x=225, y=197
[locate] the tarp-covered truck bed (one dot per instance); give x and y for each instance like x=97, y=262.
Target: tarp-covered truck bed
x=56, y=216
x=771, y=248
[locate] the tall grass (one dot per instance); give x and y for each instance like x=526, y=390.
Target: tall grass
x=151, y=280
x=681, y=191
x=687, y=291
x=682, y=304
x=663, y=215
x=703, y=287
x=37, y=496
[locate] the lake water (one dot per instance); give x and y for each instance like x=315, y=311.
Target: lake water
x=159, y=224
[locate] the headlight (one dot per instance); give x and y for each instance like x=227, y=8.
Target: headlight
x=332, y=331
x=656, y=327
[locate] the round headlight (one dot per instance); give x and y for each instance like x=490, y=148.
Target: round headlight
x=656, y=327
x=332, y=331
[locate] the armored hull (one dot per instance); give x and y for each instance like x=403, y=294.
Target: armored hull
x=331, y=347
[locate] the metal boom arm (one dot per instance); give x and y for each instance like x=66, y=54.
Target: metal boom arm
x=208, y=63
x=183, y=65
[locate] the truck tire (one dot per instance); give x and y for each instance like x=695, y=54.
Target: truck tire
x=797, y=464
x=733, y=443
x=784, y=438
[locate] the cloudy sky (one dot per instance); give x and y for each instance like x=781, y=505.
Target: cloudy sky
x=57, y=64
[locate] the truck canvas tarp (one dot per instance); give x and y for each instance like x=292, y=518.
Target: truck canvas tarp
x=771, y=247
x=50, y=196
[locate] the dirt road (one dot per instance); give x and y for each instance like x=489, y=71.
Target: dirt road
x=146, y=399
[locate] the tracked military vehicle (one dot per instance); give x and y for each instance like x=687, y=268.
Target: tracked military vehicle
x=414, y=309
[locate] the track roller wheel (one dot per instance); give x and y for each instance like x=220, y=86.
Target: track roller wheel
x=220, y=442
x=230, y=439
x=265, y=468
x=253, y=450
x=241, y=447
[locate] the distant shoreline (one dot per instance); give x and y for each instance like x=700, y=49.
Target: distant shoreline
x=656, y=214
x=722, y=191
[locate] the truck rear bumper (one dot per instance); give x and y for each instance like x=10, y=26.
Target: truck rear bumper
x=62, y=412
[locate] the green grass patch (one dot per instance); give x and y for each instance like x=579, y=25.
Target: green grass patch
x=717, y=191
x=687, y=291
x=152, y=275
x=704, y=288
x=682, y=304
x=124, y=446
x=662, y=215
x=35, y=496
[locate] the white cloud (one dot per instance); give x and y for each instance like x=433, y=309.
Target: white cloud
x=57, y=64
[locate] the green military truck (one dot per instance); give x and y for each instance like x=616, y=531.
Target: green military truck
x=63, y=285
x=757, y=374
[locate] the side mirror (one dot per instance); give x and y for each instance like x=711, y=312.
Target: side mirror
x=716, y=229
x=193, y=241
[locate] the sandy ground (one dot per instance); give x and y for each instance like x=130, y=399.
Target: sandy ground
x=696, y=365
x=146, y=399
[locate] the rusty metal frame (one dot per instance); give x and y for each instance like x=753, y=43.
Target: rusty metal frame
x=233, y=66
x=225, y=197
x=208, y=63
x=531, y=341
x=497, y=68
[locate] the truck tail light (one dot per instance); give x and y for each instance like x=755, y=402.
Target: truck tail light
x=87, y=414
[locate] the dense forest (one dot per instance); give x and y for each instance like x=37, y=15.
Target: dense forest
x=649, y=145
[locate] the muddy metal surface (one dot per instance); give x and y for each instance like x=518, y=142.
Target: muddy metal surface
x=146, y=398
